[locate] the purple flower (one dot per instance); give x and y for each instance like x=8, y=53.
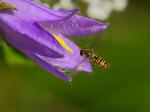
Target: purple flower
x=40, y=33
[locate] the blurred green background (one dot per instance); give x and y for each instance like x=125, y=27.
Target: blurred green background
x=124, y=87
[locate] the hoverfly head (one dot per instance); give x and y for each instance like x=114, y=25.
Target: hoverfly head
x=86, y=52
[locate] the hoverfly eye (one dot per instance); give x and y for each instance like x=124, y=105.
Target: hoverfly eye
x=82, y=52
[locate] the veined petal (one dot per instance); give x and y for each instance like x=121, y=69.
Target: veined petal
x=74, y=26
x=33, y=11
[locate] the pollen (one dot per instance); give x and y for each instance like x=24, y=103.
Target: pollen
x=63, y=43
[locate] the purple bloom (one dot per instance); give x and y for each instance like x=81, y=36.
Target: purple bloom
x=40, y=33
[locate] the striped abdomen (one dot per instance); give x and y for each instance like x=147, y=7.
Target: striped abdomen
x=100, y=62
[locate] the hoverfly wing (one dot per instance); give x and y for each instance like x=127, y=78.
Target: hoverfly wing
x=70, y=73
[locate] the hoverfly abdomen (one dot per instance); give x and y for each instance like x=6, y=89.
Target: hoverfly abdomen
x=100, y=62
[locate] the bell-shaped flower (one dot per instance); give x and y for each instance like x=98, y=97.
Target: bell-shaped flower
x=41, y=34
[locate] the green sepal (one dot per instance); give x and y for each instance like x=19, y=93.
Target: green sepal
x=6, y=6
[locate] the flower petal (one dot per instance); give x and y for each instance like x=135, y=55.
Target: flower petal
x=38, y=11
x=27, y=40
x=74, y=26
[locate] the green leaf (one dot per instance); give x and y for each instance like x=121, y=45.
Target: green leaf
x=5, y=6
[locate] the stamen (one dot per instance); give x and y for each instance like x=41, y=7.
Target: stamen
x=63, y=44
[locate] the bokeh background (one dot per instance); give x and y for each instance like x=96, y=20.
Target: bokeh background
x=124, y=87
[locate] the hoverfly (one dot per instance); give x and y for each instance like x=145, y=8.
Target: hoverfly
x=89, y=54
